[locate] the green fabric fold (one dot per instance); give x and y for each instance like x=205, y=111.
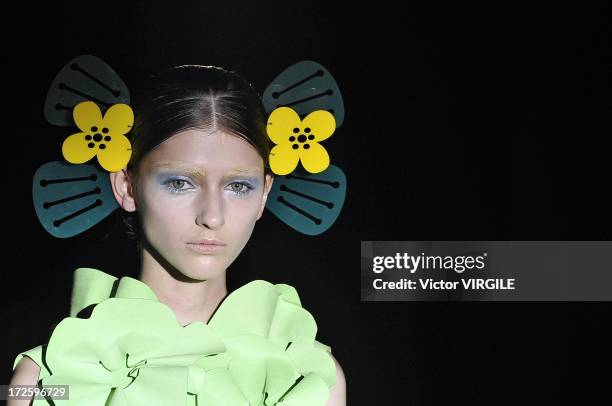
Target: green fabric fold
x=258, y=348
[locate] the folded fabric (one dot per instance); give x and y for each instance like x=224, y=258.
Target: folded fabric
x=258, y=348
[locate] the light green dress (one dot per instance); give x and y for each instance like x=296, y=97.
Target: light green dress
x=258, y=348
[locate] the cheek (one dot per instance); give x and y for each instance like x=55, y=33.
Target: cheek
x=242, y=216
x=163, y=215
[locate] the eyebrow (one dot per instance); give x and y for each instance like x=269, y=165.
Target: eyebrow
x=196, y=171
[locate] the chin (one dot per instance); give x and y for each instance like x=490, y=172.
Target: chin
x=202, y=271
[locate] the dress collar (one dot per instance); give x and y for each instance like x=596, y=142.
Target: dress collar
x=91, y=286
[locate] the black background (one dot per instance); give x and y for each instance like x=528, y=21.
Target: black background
x=462, y=123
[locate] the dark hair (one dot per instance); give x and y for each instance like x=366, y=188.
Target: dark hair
x=194, y=97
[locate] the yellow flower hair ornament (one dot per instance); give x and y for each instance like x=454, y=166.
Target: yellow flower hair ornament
x=101, y=135
x=298, y=140
x=70, y=198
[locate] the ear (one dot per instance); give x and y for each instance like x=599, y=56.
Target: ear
x=123, y=189
x=264, y=199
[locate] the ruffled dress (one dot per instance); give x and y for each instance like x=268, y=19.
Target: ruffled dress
x=122, y=346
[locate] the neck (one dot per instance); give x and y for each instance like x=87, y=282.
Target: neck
x=190, y=299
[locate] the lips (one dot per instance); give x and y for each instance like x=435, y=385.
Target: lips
x=208, y=241
x=206, y=246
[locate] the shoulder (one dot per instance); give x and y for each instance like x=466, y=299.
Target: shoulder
x=337, y=393
x=26, y=372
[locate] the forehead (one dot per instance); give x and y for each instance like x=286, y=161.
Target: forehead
x=212, y=151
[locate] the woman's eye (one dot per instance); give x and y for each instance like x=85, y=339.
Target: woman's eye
x=176, y=185
x=240, y=188
x=237, y=187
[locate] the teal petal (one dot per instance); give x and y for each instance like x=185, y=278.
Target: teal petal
x=70, y=199
x=305, y=86
x=308, y=203
x=83, y=78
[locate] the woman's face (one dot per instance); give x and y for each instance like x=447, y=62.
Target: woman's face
x=199, y=186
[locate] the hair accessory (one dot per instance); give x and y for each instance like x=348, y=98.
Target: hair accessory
x=309, y=203
x=83, y=78
x=101, y=136
x=71, y=198
x=305, y=86
x=298, y=140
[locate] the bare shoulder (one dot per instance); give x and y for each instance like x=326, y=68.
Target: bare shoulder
x=26, y=373
x=337, y=393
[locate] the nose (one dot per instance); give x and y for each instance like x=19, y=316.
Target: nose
x=210, y=210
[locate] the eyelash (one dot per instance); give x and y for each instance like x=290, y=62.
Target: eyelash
x=246, y=190
x=169, y=185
